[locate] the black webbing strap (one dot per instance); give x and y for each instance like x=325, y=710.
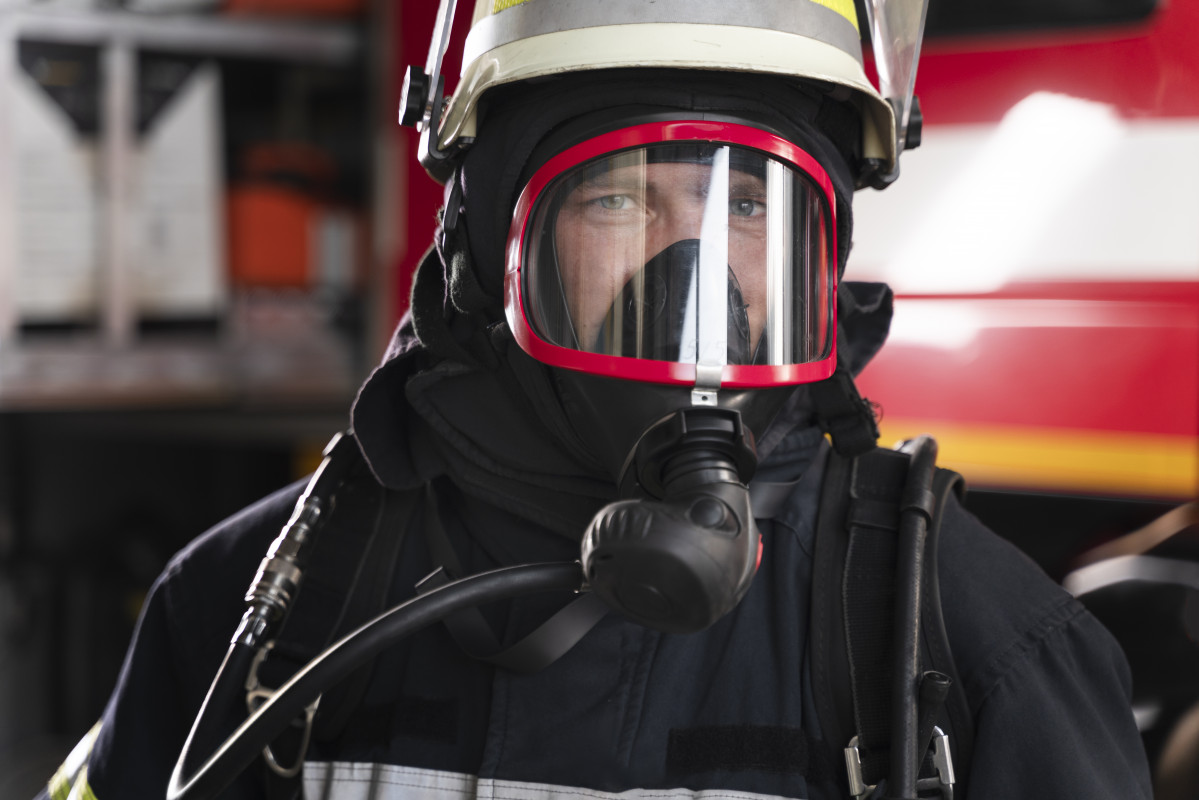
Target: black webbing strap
x=851, y=610
x=768, y=499
x=867, y=597
x=956, y=717
x=470, y=630
x=826, y=630
x=346, y=582
x=369, y=597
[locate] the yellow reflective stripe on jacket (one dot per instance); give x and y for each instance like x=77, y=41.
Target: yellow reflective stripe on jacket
x=69, y=782
x=81, y=790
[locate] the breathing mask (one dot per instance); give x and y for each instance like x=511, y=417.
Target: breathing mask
x=679, y=274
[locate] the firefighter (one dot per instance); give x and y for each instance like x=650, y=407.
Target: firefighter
x=631, y=322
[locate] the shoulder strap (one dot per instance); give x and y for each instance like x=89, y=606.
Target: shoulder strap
x=852, y=596
x=956, y=718
x=346, y=582
x=829, y=659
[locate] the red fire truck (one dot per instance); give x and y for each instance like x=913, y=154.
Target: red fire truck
x=1043, y=244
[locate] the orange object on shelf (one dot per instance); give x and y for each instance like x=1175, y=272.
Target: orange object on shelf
x=270, y=243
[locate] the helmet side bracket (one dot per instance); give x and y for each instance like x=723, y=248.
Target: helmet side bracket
x=422, y=98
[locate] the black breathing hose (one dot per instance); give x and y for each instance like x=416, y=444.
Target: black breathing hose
x=269, y=596
x=341, y=658
x=916, y=509
x=717, y=488
x=225, y=703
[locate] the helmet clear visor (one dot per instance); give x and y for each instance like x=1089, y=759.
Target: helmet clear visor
x=897, y=30
x=693, y=252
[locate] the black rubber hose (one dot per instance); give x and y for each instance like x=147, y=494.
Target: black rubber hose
x=223, y=706
x=916, y=507
x=342, y=657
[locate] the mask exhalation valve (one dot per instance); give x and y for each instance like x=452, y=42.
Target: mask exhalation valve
x=682, y=558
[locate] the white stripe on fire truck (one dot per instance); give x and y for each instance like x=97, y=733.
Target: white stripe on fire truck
x=1061, y=189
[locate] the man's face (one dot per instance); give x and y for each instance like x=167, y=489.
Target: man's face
x=616, y=221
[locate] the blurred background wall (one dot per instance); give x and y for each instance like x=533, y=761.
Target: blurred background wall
x=202, y=234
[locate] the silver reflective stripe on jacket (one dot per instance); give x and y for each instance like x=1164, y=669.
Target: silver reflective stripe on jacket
x=353, y=781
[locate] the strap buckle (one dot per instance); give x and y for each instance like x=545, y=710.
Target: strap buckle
x=257, y=695
x=853, y=769
x=942, y=760
x=941, y=783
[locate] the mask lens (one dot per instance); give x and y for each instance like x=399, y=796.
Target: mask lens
x=700, y=253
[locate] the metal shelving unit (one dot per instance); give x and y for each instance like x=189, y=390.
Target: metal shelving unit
x=119, y=441
x=110, y=364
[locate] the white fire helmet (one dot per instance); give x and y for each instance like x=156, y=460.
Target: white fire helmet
x=688, y=249
x=814, y=40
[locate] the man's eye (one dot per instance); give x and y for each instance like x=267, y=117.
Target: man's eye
x=744, y=207
x=614, y=202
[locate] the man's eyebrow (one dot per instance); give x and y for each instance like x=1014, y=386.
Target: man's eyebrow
x=743, y=183
x=609, y=179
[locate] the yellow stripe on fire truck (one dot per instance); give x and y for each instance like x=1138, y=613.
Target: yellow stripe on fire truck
x=1089, y=461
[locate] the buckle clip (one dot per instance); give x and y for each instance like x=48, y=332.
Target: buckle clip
x=853, y=769
x=257, y=695
x=942, y=760
x=941, y=783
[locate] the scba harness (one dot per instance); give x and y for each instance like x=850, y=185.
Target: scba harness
x=858, y=583
x=856, y=636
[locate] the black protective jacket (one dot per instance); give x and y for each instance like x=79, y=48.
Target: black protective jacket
x=628, y=712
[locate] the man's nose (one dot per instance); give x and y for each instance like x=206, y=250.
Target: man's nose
x=680, y=223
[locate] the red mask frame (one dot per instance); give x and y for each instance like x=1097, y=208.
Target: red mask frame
x=674, y=372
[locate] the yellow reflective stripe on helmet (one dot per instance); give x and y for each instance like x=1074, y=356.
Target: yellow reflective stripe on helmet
x=843, y=7
x=69, y=782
